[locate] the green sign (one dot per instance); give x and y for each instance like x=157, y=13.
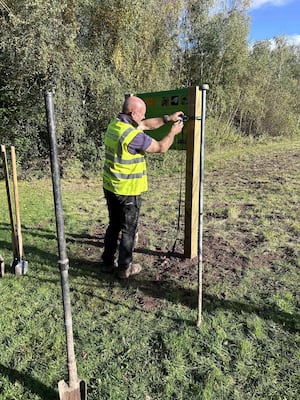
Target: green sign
x=166, y=103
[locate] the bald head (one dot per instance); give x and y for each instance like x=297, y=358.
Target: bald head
x=132, y=103
x=135, y=107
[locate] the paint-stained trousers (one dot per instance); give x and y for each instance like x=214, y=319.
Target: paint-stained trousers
x=123, y=218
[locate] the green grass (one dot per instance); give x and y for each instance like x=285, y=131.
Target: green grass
x=137, y=340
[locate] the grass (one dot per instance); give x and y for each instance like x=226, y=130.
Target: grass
x=137, y=339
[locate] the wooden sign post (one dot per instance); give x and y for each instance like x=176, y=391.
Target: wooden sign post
x=188, y=100
x=192, y=174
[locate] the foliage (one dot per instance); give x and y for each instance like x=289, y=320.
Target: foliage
x=91, y=53
x=271, y=100
x=255, y=90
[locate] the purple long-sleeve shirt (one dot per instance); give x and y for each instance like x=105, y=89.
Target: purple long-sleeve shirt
x=141, y=142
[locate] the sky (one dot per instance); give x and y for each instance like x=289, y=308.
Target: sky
x=270, y=18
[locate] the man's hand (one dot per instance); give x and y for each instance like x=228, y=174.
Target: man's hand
x=155, y=123
x=165, y=143
x=177, y=126
x=176, y=116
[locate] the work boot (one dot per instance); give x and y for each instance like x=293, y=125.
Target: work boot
x=107, y=269
x=133, y=269
x=108, y=266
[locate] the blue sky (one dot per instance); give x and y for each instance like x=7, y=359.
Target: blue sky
x=270, y=18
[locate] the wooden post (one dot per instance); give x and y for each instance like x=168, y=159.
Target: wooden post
x=192, y=173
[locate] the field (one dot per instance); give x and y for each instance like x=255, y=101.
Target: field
x=137, y=339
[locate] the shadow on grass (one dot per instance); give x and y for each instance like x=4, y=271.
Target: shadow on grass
x=173, y=292
x=31, y=384
x=164, y=289
x=39, y=254
x=48, y=234
x=39, y=232
x=290, y=322
x=96, y=241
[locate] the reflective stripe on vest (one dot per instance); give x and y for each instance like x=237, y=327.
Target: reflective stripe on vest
x=123, y=173
x=120, y=161
x=122, y=140
x=124, y=176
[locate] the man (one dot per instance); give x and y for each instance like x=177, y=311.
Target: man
x=125, y=178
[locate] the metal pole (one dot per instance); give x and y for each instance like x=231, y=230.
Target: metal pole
x=204, y=88
x=63, y=261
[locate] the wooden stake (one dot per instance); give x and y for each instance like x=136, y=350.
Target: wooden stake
x=204, y=88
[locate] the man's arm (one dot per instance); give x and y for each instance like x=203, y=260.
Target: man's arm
x=165, y=143
x=155, y=123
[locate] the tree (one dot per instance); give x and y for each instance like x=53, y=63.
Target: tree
x=271, y=91
x=90, y=54
x=217, y=54
x=39, y=53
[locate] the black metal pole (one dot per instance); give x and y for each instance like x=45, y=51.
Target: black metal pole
x=63, y=261
x=204, y=88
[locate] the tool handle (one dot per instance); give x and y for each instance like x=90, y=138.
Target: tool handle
x=16, y=193
x=12, y=224
x=63, y=260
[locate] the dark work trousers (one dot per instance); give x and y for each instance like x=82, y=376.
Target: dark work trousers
x=123, y=217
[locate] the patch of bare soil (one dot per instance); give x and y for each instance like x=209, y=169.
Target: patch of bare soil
x=167, y=271
x=168, y=274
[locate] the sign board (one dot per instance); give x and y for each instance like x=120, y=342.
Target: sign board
x=166, y=103
x=189, y=101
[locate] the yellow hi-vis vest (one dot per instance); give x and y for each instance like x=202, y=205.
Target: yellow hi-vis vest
x=123, y=173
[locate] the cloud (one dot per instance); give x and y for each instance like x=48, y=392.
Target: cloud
x=259, y=3
x=294, y=39
x=291, y=40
